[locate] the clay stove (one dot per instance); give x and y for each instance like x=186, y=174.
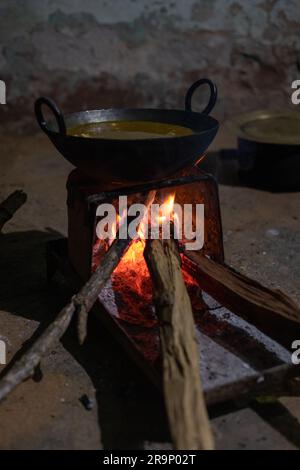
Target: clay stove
x=236, y=358
x=192, y=187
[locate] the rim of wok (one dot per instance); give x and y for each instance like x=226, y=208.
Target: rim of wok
x=52, y=124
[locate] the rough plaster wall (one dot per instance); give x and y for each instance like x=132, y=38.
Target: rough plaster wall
x=101, y=53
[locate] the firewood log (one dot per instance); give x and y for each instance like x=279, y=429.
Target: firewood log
x=187, y=415
x=10, y=205
x=84, y=300
x=80, y=304
x=270, y=310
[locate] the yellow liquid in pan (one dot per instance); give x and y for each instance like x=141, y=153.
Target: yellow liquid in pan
x=128, y=130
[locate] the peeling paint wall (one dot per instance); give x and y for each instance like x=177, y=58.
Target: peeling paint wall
x=102, y=53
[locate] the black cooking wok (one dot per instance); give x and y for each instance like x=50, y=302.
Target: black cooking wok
x=132, y=160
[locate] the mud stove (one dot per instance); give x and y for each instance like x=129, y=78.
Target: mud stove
x=242, y=350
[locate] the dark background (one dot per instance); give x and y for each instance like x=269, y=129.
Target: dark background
x=102, y=53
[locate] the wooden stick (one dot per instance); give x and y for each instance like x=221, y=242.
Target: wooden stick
x=272, y=311
x=83, y=309
x=81, y=304
x=85, y=299
x=187, y=414
x=10, y=205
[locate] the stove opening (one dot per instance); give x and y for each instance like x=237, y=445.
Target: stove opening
x=128, y=294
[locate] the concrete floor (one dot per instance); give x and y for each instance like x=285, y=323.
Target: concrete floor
x=262, y=239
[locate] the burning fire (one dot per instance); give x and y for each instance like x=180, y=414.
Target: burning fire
x=131, y=284
x=133, y=261
x=167, y=209
x=131, y=281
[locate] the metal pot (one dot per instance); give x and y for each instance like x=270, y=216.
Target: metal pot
x=269, y=149
x=132, y=160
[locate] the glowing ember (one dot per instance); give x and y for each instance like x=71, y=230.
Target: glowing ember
x=133, y=266
x=131, y=281
x=167, y=209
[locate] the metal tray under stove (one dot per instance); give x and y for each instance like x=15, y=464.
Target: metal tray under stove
x=236, y=359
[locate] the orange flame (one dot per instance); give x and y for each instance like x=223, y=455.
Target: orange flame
x=169, y=204
x=133, y=264
x=167, y=209
x=131, y=279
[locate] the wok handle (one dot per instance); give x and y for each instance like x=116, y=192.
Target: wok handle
x=212, y=98
x=55, y=110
